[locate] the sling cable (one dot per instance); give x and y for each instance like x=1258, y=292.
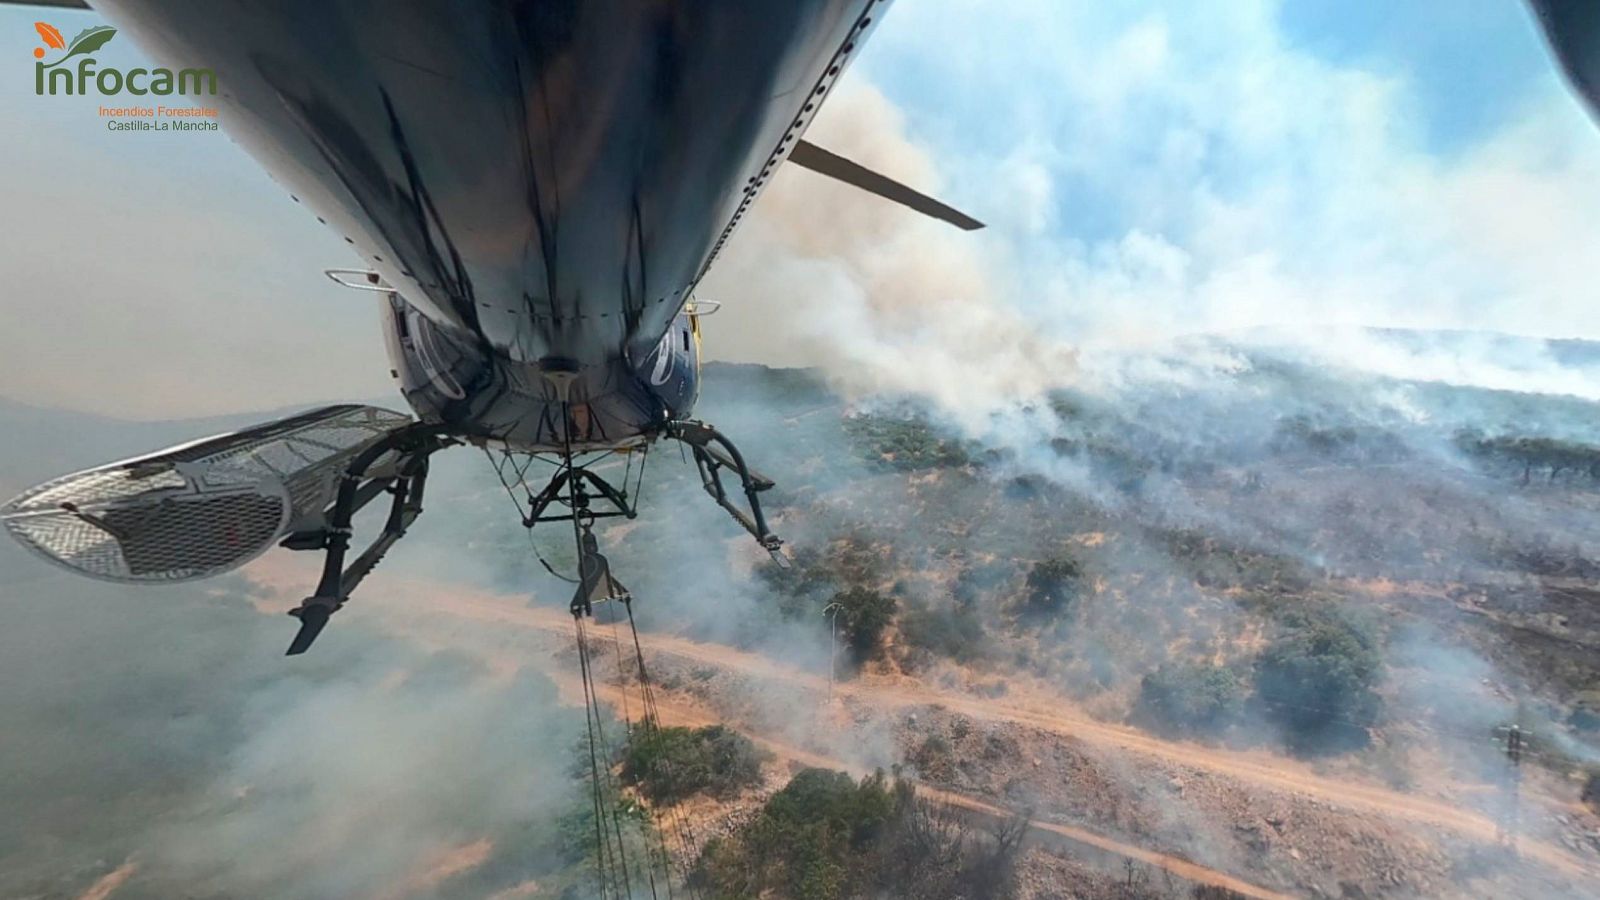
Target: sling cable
x=568, y=498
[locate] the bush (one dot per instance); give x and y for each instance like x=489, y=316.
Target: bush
x=818, y=576
x=802, y=587
x=981, y=583
x=1220, y=564
x=1591, y=790
x=1316, y=679
x=865, y=614
x=575, y=831
x=830, y=800
x=1052, y=586
x=1191, y=697
x=671, y=764
x=904, y=443
x=954, y=632
x=828, y=837
x=573, y=836
x=811, y=832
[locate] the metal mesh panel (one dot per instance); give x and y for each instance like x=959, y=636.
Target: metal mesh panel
x=103, y=487
x=198, y=509
x=168, y=534
x=72, y=541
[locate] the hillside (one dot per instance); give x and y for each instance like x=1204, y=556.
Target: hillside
x=1234, y=608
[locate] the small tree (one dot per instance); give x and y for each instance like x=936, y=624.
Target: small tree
x=1191, y=697
x=810, y=832
x=828, y=837
x=1317, y=678
x=670, y=764
x=1052, y=586
x=866, y=613
x=953, y=631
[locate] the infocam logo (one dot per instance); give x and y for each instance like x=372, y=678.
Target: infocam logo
x=56, y=78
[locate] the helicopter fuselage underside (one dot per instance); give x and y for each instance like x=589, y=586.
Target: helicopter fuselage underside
x=543, y=182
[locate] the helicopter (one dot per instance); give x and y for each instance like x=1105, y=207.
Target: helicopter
x=535, y=190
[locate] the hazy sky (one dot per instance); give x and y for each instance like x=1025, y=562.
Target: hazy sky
x=1145, y=168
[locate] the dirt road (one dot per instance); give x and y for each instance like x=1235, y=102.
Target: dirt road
x=683, y=714
x=1255, y=768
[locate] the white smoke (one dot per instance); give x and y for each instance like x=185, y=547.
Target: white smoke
x=886, y=301
x=1146, y=177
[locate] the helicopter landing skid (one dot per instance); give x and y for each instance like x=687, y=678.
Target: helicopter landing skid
x=714, y=453
x=413, y=444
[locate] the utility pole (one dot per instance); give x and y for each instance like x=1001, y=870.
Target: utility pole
x=832, y=611
x=1514, y=741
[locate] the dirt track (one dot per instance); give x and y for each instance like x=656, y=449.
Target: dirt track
x=671, y=713
x=1252, y=767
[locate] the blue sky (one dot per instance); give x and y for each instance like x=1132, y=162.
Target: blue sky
x=977, y=79
x=1146, y=168
x=1472, y=63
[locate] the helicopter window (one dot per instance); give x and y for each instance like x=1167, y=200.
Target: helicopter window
x=685, y=334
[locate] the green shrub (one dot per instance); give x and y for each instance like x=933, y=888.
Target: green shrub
x=817, y=576
x=1191, y=697
x=828, y=837
x=954, y=632
x=810, y=833
x=1052, y=586
x=802, y=587
x=576, y=832
x=864, y=615
x=1301, y=434
x=904, y=443
x=670, y=764
x=1316, y=680
x=1218, y=563
x=834, y=801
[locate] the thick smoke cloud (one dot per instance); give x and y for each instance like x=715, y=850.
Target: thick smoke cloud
x=884, y=301
x=158, y=739
x=1150, y=172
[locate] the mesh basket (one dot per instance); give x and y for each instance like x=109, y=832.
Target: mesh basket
x=201, y=508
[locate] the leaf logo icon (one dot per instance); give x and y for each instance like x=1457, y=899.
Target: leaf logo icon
x=90, y=39
x=87, y=41
x=52, y=37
